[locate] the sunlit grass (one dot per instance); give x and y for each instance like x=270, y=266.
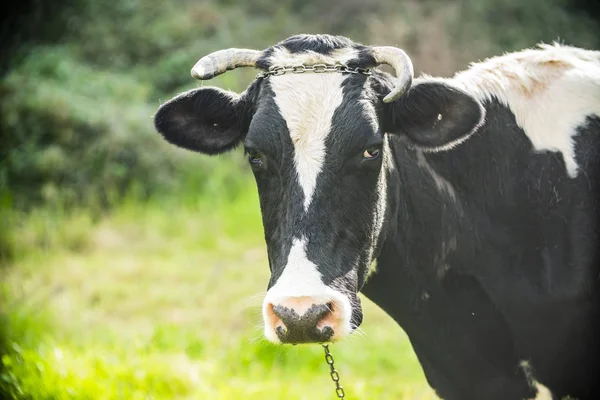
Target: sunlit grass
x=156, y=301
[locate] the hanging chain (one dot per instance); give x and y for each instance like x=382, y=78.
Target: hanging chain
x=335, y=377
x=317, y=68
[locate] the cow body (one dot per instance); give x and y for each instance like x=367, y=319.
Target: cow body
x=494, y=262
x=478, y=197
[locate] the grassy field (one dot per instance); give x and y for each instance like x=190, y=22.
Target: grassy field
x=162, y=301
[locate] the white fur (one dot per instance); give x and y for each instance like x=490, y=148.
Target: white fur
x=550, y=90
x=543, y=393
x=282, y=57
x=301, y=278
x=307, y=103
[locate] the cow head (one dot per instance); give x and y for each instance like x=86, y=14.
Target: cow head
x=319, y=145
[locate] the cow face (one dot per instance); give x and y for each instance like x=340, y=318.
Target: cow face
x=318, y=147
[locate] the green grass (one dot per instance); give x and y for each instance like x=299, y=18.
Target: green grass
x=160, y=301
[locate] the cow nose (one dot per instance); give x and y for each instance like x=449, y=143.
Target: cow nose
x=303, y=319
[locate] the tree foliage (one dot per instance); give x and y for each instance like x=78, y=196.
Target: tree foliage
x=82, y=79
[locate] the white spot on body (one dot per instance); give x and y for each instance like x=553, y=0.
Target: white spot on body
x=307, y=103
x=543, y=393
x=301, y=278
x=550, y=91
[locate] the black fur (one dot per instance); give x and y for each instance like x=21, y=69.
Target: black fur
x=521, y=281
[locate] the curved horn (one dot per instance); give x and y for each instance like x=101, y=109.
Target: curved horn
x=224, y=60
x=400, y=62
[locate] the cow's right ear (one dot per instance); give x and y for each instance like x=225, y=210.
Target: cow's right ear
x=434, y=115
x=208, y=120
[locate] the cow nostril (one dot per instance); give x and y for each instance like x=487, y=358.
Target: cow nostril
x=281, y=331
x=303, y=320
x=275, y=319
x=327, y=331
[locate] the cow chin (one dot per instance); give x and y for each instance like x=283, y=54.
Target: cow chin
x=321, y=316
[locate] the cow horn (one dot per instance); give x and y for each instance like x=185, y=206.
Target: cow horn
x=400, y=62
x=224, y=60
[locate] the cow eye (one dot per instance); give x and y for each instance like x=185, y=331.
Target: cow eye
x=254, y=156
x=372, y=152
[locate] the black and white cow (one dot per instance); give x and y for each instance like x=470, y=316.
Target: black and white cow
x=467, y=208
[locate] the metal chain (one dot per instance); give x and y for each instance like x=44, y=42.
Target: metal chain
x=317, y=68
x=335, y=377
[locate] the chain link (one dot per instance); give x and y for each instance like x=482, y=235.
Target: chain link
x=317, y=68
x=335, y=377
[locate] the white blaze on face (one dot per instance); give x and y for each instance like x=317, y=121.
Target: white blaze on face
x=301, y=278
x=307, y=103
x=550, y=91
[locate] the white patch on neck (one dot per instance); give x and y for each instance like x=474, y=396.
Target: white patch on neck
x=282, y=57
x=550, y=90
x=307, y=103
x=301, y=278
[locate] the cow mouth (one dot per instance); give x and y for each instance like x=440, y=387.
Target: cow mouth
x=309, y=319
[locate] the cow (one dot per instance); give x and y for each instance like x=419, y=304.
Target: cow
x=467, y=208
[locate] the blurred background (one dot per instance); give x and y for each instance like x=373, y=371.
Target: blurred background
x=134, y=270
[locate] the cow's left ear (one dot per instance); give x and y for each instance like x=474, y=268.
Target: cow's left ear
x=434, y=115
x=208, y=120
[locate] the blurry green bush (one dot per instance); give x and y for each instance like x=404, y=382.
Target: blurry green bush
x=76, y=109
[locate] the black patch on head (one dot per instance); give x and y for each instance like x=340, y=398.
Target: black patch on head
x=208, y=120
x=323, y=44
x=433, y=115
